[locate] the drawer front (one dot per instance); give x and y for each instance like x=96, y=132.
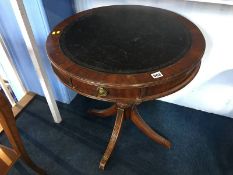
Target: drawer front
x=134, y=94
x=105, y=93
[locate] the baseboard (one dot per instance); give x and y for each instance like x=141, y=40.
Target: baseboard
x=21, y=105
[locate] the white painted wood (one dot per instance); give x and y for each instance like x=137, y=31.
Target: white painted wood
x=7, y=92
x=28, y=36
x=11, y=73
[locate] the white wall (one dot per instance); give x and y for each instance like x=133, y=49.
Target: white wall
x=8, y=72
x=212, y=89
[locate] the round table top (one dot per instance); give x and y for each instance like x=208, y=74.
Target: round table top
x=125, y=46
x=126, y=39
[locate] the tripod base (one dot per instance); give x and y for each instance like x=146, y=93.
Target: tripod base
x=126, y=112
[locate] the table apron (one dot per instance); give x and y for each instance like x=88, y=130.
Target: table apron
x=131, y=94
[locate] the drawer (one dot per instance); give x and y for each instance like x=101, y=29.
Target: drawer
x=105, y=93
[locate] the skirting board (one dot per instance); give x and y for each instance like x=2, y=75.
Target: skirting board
x=21, y=105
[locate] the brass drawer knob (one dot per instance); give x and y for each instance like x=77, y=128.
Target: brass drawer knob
x=102, y=92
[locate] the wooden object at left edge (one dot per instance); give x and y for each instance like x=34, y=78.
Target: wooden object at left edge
x=8, y=156
x=20, y=105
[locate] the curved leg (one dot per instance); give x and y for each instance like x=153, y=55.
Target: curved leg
x=146, y=129
x=113, y=139
x=104, y=112
x=9, y=126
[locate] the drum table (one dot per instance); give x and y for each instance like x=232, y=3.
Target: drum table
x=126, y=55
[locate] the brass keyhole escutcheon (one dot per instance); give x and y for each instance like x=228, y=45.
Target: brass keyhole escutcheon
x=102, y=92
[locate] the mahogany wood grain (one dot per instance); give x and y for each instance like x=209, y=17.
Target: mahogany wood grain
x=126, y=90
x=146, y=129
x=104, y=112
x=114, y=137
x=126, y=111
x=95, y=78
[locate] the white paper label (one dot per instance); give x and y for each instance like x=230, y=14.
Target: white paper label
x=157, y=74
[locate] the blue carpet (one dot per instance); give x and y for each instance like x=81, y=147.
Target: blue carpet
x=202, y=142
